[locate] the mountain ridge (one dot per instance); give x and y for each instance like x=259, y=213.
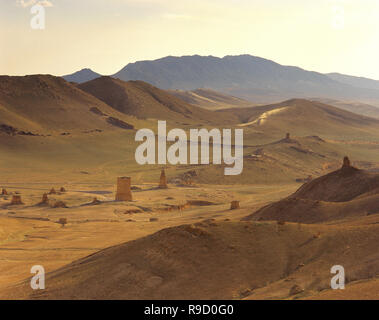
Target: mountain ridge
x=247, y=77
x=81, y=76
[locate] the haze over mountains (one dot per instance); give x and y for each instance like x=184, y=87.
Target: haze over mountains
x=81, y=76
x=245, y=76
x=359, y=82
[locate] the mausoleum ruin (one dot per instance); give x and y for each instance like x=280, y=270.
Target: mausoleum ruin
x=163, y=180
x=124, y=192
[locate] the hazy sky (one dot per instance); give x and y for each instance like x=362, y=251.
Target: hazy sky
x=105, y=35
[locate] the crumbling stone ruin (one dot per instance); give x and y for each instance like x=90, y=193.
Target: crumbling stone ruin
x=59, y=204
x=346, y=163
x=133, y=211
x=62, y=221
x=170, y=208
x=234, y=205
x=4, y=192
x=163, y=180
x=95, y=201
x=124, y=192
x=62, y=189
x=288, y=139
x=52, y=191
x=16, y=200
x=45, y=200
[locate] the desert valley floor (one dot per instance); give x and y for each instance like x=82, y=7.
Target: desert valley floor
x=302, y=208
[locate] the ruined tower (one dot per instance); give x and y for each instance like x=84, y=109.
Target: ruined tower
x=45, y=199
x=288, y=136
x=4, y=192
x=346, y=163
x=16, y=200
x=124, y=192
x=234, y=205
x=163, y=180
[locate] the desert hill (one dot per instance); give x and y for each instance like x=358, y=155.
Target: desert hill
x=332, y=187
x=45, y=104
x=145, y=101
x=210, y=99
x=86, y=132
x=217, y=260
x=345, y=193
x=304, y=117
x=363, y=109
x=360, y=290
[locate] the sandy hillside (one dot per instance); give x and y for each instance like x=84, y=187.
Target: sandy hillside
x=142, y=100
x=215, y=259
x=347, y=192
x=210, y=99
x=184, y=241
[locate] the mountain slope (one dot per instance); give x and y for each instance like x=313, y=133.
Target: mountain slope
x=355, y=107
x=81, y=76
x=359, y=82
x=210, y=99
x=43, y=103
x=244, y=76
x=304, y=117
x=144, y=101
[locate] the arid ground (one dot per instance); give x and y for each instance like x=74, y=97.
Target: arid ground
x=183, y=242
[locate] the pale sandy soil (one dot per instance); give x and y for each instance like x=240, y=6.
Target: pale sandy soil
x=26, y=241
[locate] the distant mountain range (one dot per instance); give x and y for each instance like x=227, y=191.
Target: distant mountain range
x=248, y=77
x=358, y=82
x=81, y=76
